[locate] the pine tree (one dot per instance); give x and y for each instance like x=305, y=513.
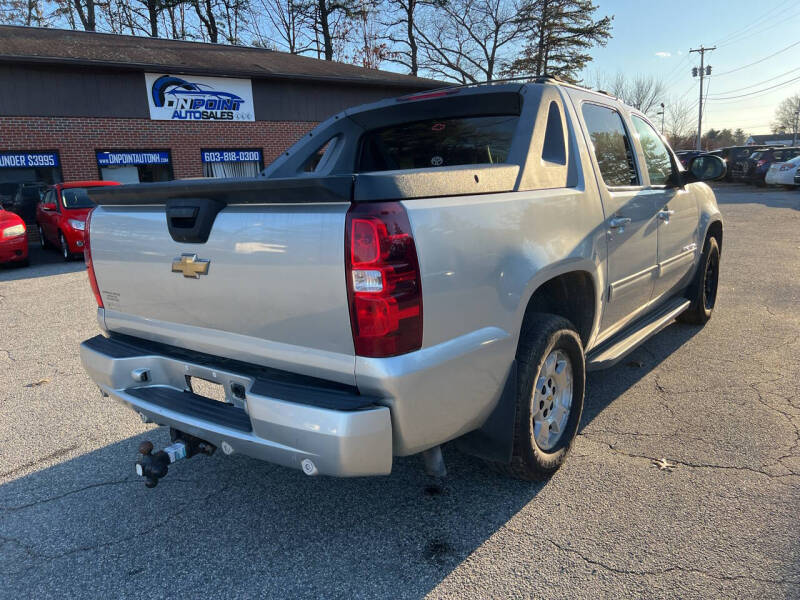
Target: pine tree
x=559, y=33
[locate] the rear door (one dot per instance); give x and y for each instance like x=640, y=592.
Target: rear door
x=677, y=214
x=630, y=211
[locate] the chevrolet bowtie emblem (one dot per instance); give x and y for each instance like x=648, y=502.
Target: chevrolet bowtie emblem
x=190, y=265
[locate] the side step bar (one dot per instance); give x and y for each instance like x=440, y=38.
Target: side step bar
x=611, y=352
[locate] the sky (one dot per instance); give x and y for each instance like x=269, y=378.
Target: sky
x=653, y=37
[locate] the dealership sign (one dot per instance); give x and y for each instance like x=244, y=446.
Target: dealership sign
x=231, y=156
x=28, y=159
x=143, y=157
x=187, y=98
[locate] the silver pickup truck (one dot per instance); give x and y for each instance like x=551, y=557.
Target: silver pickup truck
x=443, y=266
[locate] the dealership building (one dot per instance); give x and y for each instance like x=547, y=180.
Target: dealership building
x=77, y=105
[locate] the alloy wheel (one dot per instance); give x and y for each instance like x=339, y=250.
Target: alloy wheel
x=552, y=400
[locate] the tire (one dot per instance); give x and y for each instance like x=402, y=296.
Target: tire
x=546, y=341
x=703, y=290
x=42, y=240
x=64, y=247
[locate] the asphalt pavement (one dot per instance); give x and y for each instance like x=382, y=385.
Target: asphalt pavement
x=719, y=518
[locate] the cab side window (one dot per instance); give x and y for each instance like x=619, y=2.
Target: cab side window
x=656, y=155
x=611, y=144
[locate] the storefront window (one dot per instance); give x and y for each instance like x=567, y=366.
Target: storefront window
x=29, y=167
x=134, y=166
x=232, y=163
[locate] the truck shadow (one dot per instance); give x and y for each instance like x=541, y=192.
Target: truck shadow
x=235, y=526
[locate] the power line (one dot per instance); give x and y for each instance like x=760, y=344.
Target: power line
x=766, y=89
x=761, y=31
x=755, y=84
x=758, y=61
x=725, y=40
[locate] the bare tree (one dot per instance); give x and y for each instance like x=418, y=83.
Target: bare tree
x=150, y=10
x=279, y=23
x=233, y=13
x=23, y=12
x=400, y=23
x=643, y=92
x=175, y=20
x=786, y=115
x=86, y=13
x=205, y=10
x=329, y=22
x=468, y=40
x=370, y=50
x=679, y=123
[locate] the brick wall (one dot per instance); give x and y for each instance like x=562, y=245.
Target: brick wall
x=77, y=139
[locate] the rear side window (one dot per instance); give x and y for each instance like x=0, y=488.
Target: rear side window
x=612, y=146
x=656, y=156
x=438, y=143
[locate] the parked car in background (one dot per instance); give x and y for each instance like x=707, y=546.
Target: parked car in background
x=7, y=191
x=736, y=155
x=13, y=241
x=25, y=199
x=783, y=173
x=686, y=156
x=61, y=215
x=759, y=162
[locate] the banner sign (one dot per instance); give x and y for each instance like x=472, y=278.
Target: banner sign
x=189, y=98
x=144, y=157
x=231, y=156
x=28, y=159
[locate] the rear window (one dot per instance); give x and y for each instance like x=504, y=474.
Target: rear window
x=439, y=143
x=786, y=154
x=76, y=198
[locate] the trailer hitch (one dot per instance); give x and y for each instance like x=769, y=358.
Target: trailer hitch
x=154, y=466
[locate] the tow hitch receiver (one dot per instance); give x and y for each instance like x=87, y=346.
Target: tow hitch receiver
x=154, y=466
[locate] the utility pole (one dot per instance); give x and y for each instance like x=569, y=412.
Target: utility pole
x=796, y=117
x=661, y=114
x=703, y=71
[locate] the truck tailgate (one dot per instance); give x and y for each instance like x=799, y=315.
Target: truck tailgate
x=274, y=291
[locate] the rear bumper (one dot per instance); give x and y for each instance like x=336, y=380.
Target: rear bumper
x=281, y=418
x=14, y=249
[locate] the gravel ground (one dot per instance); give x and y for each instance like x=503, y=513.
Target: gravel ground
x=721, y=403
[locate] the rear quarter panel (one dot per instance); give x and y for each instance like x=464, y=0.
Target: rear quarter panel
x=481, y=259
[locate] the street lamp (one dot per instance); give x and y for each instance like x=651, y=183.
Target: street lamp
x=661, y=114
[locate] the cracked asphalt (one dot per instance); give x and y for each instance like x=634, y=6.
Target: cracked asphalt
x=721, y=404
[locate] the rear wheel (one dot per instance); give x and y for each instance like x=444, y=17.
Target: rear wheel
x=42, y=241
x=550, y=390
x=62, y=242
x=703, y=290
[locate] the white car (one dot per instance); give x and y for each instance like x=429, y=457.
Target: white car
x=782, y=173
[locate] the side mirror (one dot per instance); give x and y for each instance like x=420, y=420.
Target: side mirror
x=48, y=207
x=705, y=167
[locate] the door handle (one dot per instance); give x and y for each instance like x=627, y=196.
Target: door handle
x=665, y=214
x=619, y=223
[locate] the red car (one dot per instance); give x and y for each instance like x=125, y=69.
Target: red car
x=13, y=241
x=61, y=215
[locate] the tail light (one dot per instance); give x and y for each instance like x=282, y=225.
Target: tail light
x=87, y=256
x=383, y=280
x=761, y=163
